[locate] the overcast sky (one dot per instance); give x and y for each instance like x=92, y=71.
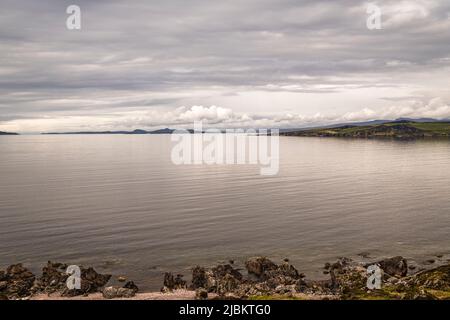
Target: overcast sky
x=246, y=63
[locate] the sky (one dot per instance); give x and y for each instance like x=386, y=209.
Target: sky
x=247, y=63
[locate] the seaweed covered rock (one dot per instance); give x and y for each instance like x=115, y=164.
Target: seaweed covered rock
x=173, y=283
x=117, y=292
x=259, y=266
x=219, y=279
x=264, y=277
x=54, y=279
x=199, y=278
x=17, y=282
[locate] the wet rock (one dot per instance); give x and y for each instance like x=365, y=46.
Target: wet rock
x=121, y=279
x=201, y=294
x=222, y=279
x=430, y=261
x=174, y=283
x=117, y=292
x=16, y=282
x=259, y=266
x=3, y=285
x=223, y=270
x=54, y=279
x=131, y=285
x=164, y=289
x=264, y=277
x=199, y=279
x=396, y=266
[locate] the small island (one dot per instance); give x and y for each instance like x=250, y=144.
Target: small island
x=2, y=133
x=402, y=129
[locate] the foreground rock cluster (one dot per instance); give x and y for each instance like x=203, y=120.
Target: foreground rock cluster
x=261, y=279
x=17, y=282
x=265, y=279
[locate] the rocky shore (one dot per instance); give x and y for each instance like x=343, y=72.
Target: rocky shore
x=261, y=279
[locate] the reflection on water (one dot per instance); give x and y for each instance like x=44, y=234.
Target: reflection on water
x=119, y=204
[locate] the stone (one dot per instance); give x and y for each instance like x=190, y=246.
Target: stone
x=3, y=285
x=199, y=279
x=131, y=285
x=121, y=279
x=17, y=282
x=173, y=283
x=201, y=294
x=396, y=266
x=259, y=266
x=117, y=292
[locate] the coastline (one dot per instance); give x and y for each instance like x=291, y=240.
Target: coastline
x=263, y=279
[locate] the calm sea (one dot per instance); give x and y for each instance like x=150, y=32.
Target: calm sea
x=119, y=204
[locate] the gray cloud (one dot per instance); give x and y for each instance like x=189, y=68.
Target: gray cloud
x=143, y=55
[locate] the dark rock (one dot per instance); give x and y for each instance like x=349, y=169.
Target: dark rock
x=54, y=279
x=17, y=282
x=174, y=283
x=222, y=270
x=131, y=285
x=3, y=285
x=430, y=261
x=396, y=266
x=201, y=294
x=199, y=279
x=259, y=266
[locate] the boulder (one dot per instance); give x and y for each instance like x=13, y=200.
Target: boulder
x=16, y=282
x=259, y=266
x=131, y=285
x=199, y=279
x=201, y=294
x=117, y=292
x=396, y=266
x=174, y=283
x=54, y=278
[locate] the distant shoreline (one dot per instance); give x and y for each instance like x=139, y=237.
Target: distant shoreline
x=2, y=133
x=398, y=130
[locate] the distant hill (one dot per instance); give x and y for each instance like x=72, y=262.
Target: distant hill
x=137, y=131
x=399, y=129
x=2, y=133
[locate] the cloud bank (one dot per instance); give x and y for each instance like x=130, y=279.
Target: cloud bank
x=265, y=62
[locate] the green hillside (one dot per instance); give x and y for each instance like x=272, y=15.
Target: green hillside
x=395, y=129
